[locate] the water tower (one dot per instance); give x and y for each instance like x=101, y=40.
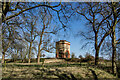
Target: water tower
x=62, y=49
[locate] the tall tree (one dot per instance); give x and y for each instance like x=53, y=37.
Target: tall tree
x=115, y=18
x=44, y=33
x=29, y=31
x=11, y=10
x=96, y=16
x=9, y=34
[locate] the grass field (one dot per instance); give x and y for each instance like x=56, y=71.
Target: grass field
x=57, y=70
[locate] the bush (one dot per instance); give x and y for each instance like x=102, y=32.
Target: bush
x=87, y=58
x=75, y=60
x=32, y=60
x=72, y=59
x=42, y=59
x=73, y=55
x=14, y=57
x=68, y=59
x=80, y=56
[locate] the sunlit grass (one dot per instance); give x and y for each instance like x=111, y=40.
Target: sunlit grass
x=36, y=70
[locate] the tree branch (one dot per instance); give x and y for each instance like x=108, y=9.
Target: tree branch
x=15, y=7
x=9, y=17
x=106, y=34
x=84, y=16
x=118, y=41
x=103, y=20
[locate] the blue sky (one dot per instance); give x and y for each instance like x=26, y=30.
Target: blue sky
x=76, y=24
x=75, y=41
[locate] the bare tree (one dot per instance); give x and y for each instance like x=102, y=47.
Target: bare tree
x=113, y=24
x=73, y=55
x=29, y=31
x=44, y=33
x=9, y=34
x=16, y=49
x=16, y=9
x=96, y=16
x=115, y=9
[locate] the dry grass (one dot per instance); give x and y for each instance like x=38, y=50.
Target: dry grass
x=53, y=70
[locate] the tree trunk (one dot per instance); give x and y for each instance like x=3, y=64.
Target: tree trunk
x=96, y=49
x=5, y=9
x=3, y=57
x=39, y=52
x=40, y=43
x=97, y=56
x=114, y=51
x=30, y=52
x=21, y=56
x=118, y=70
x=38, y=57
x=114, y=39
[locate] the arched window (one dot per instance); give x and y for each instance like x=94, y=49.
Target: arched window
x=66, y=54
x=60, y=53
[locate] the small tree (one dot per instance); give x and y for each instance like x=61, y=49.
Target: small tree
x=14, y=57
x=88, y=57
x=73, y=55
x=80, y=56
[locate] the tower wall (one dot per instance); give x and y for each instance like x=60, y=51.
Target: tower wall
x=62, y=49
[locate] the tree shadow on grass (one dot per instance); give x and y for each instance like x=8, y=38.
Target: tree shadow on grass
x=102, y=67
x=94, y=74
x=58, y=73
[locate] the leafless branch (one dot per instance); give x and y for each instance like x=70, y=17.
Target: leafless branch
x=52, y=7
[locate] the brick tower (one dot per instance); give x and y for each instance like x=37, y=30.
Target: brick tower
x=62, y=49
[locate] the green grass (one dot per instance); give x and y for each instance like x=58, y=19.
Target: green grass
x=102, y=66
x=49, y=65
x=46, y=65
x=84, y=67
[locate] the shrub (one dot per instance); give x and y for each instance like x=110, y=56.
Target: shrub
x=42, y=59
x=14, y=57
x=33, y=60
x=87, y=58
x=75, y=60
x=73, y=55
x=72, y=59
x=80, y=56
x=68, y=59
